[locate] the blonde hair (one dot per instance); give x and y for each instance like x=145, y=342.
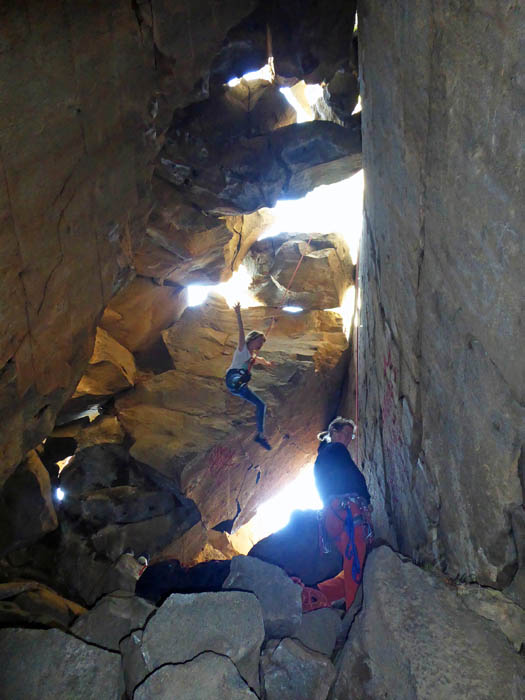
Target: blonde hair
x=335, y=426
x=253, y=335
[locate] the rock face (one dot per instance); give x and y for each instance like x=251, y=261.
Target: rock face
x=257, y=171
x=190, y=430
x=415, y=638
x=442, y=405
x=77, y=144
x=278, y=595
x=321, y=280
x=61, y=666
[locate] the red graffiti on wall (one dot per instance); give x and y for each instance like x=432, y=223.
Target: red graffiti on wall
x=220, y=458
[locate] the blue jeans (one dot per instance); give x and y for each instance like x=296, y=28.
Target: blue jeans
x=249, y=395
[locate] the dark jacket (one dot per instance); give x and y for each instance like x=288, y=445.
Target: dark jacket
x=335, y=472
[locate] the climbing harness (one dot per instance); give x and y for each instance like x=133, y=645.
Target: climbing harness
x=357, y=513
x=237, y=378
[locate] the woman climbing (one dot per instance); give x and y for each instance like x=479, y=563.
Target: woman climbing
x=346, y=516
x=238, y=374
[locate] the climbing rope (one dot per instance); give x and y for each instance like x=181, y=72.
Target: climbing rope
x=356, y=327
x=287, y=291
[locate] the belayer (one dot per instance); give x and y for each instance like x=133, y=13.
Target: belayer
x=239, y=373
x=346, y=515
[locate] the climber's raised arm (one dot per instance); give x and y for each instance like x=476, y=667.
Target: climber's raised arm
x=242, y=339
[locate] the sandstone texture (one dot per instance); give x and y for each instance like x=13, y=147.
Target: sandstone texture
x=441, y=268
x=51, y=664
x=320, y=282
x=414, y=638
x=186, y=426
x=78, y=140
x=278, y=596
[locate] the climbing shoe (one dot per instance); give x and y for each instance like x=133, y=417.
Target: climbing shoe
x=263, y=442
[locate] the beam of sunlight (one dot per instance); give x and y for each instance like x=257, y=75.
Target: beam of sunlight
x=236, y=289
x=300, y=494
x=346, y=310
x=264, y=73
x=302, y=114
x=336, y=208
x=293, y=309
x=64, y=462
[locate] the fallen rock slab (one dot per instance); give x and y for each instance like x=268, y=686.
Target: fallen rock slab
x=319, y=630
x=208, y=677
x=292, y=672
x=414, y=638
x=279, y=596
x=49, y=664
x=228, y=623
x=112, y=619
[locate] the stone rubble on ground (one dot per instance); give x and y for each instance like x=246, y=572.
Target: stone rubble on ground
x=228, y=623
x=278, y=595
x=209, y=676
x=114, y=617
x=290, y=671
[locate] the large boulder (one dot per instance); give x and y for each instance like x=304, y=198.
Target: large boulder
x=46, y=664
x=278, y=595
x=240, y=177
x=111, y=368
x=113, y=618
x=321, y=280
x=292, y=672
x=228, y=623
x=295, y=548
x=414, y=637
x=190, y=430
x=210, y=676
x=319, y=630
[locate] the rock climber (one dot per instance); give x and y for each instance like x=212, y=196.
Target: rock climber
x=346, y=515
x=239, y=373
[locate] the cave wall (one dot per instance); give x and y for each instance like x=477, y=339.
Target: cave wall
x=442, y=372
x=88, y=90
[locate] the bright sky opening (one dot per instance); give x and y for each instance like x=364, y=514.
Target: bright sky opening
x=300, y=494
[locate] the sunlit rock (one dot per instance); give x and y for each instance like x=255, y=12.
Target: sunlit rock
x=321, y=280
x=111, y=368
x=186, y=425
x=30, y=603
x=137, y=314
